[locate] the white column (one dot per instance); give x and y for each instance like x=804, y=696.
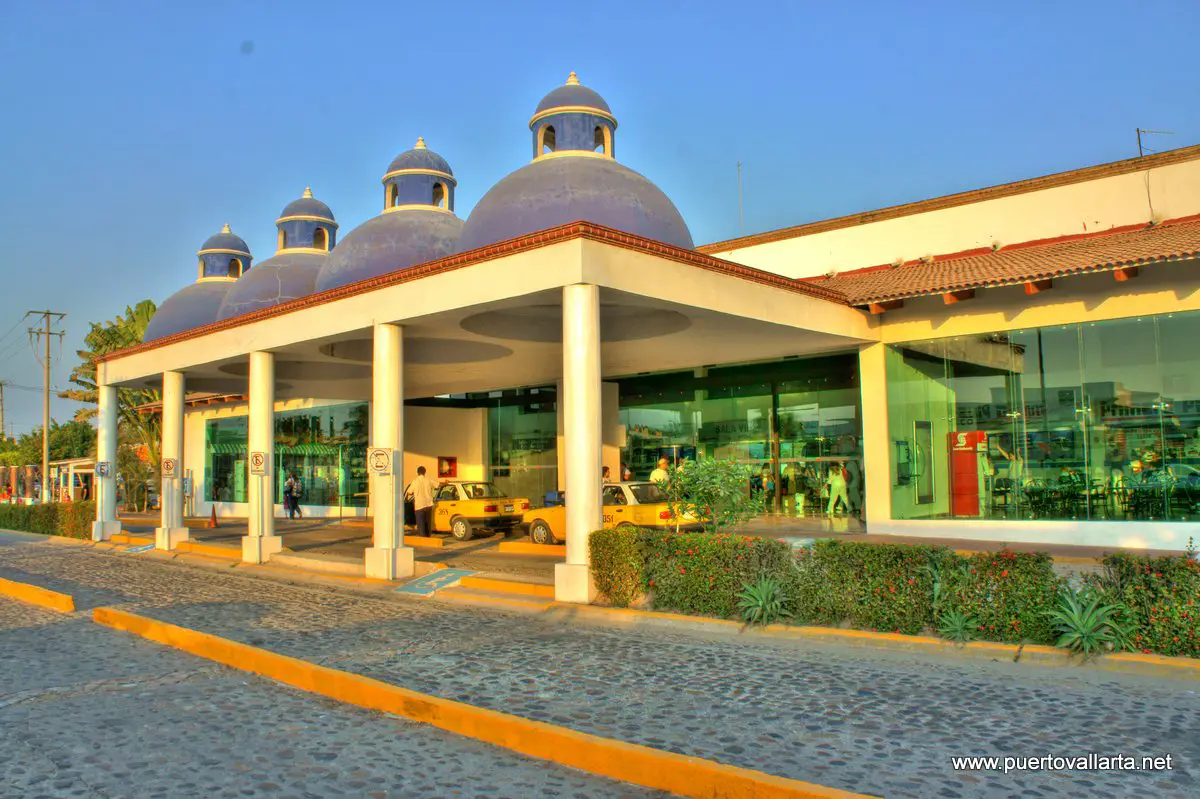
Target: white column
x=260, y=542
x=581, y=402
x=876, y=445
x=171, y=529
x=105, y=487
x=388, y=558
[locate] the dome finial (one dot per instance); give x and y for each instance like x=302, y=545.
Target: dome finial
x=572, y=79
x=226, y=229
x=420, y=145
x=308, y=192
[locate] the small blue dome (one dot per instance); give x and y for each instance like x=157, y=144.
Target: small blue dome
x=225, y=240
x=307, y=206
x=555, y=191
x=572, y=95
x=190, y=307
x=420, y=157
x=286, y=276
x=390, y=242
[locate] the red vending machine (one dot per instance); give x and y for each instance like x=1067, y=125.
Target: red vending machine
x=965, y=449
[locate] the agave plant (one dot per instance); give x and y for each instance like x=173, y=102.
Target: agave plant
x=1087, y=625
x=763, y=602
x=958, y=627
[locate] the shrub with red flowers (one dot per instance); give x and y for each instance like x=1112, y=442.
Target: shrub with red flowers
x=1163, y=597
x=871, y=586
x=616, y=557
x=1007, y=593
x=703, y=573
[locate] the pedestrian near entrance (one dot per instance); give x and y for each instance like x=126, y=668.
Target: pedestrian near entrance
x=291, y=496
x=606, y=475
x=836, y=483
x=422, y=492
x=660, y=475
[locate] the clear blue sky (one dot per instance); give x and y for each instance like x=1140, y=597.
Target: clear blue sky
x=133, y=130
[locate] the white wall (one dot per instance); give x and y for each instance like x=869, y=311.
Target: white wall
x=1087, y=207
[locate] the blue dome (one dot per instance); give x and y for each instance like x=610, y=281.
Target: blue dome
x=225, y=240
x=420, y=157
x=190, y=307
x=307, y=206
x=277, y=280
x=390, y=242
x=555, y=191
x=573, y=95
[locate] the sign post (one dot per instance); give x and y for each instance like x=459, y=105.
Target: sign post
x=258, y=468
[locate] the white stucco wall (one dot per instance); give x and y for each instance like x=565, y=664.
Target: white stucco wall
x=1166, y=192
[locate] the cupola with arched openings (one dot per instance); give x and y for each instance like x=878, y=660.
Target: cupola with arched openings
x=574, y=119
x=419, y=178
x=223, y=256
x=306, y=225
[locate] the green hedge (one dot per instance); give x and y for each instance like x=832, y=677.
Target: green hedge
x=72, y=519
x=1007, y=593
x=1163, y=595
x=704, y=573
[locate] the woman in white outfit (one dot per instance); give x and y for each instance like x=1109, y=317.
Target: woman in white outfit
x=836, y=483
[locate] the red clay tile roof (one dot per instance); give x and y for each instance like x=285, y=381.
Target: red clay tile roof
x=573, y=230
x=1022, y=263
x=1167, y=158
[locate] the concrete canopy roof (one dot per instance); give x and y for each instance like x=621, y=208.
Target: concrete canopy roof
x=491, y=319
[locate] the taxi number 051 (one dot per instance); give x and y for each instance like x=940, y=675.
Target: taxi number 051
x=608, y=518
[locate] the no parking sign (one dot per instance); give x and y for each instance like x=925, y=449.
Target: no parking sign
x=258, y=463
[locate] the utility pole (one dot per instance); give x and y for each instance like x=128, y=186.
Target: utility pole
x=2, y=428
x=1140, y=131
x=47, y=316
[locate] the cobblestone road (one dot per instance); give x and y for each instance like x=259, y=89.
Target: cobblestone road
x=90, y=712
x=867, y=721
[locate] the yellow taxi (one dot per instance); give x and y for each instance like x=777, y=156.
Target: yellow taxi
x=625, y=505
x=463, y=508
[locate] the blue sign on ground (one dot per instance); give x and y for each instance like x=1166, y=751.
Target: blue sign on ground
x=142, y=548
x=801, y=543
x=425, y=586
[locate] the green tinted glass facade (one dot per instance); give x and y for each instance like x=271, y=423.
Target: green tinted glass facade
x=325, y=447
x=1095, y=421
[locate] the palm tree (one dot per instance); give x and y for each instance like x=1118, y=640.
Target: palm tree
x=104, y=338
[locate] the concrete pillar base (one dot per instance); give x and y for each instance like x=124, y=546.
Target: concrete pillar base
x=168, y=537
x=395, y=563
x=573, y=583
x=260, y=548
x=102, y=531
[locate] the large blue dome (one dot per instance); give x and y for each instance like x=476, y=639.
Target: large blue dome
x=420, y=157
x=286, y=276
x=307, y=206
x=555, y=191
x=190, y=307
x=225, y=240
x=390, y=241
x=572, y=95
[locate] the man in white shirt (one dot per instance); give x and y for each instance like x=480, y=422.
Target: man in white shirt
x=422, y=490
x=660, y=474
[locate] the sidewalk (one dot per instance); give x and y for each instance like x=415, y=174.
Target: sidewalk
x=877, y=722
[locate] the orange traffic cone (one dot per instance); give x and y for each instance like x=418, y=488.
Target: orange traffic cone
x=212, y=521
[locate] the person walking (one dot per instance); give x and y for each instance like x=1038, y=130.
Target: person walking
x=836, y=483
x=422, y=491
x=661, y=475
x=289, y=495
x=854, y=486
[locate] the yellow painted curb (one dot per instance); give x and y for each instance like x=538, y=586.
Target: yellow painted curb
x=1126, y=662
x=453, y=593
x=530, y=548
x=428, y=542
x=133, y=540
x=36, y=595
x=639, y=765
x=212, y=550
x=508, y=586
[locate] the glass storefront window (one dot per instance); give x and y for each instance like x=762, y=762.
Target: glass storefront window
x=1071, y=422
x=523, y=444
x=325, y=447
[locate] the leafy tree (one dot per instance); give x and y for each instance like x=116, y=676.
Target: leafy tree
x=715, y=492
x=75, y=439
x=133, y=428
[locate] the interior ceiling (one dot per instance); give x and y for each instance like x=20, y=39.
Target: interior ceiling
x=515, y=343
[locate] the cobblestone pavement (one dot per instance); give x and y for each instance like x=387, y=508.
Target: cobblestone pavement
x=90, y=712
x=870, y=721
